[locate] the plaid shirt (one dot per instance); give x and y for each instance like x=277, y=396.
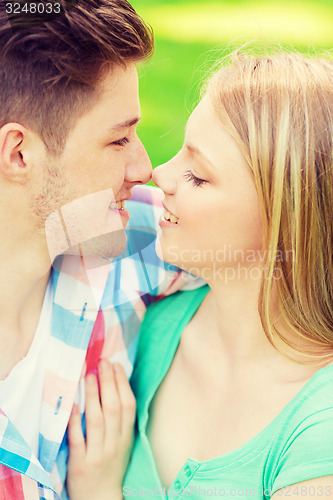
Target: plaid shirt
x=98, y=307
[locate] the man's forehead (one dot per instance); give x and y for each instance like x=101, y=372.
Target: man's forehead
x=119, y=79
x=119, y=96
x=117, y=105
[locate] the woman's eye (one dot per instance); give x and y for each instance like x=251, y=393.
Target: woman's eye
x=196, y=181
x=121, y=142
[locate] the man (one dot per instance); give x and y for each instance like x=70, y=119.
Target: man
x=69, y=159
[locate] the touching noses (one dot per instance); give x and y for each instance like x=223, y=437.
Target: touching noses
x=139, y=169
x=165, y=178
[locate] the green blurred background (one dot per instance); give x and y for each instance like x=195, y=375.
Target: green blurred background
x=191, y=34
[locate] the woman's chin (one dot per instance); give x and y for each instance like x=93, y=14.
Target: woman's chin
x=167, y=253
x=160, y=250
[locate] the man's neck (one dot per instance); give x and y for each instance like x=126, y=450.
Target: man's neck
x=23, y=279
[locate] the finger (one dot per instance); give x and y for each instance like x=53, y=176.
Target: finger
x=77, y=445
x=94, y=418
x=110, y=402
x=127, y=401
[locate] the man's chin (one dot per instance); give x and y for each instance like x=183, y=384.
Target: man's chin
x=109, y=246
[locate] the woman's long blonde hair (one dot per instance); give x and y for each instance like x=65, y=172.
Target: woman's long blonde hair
x=279, y=109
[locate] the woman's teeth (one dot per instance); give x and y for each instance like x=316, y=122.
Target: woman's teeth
x=119, y=205
x=170, y=217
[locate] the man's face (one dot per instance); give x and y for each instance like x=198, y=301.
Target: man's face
x=102, y=160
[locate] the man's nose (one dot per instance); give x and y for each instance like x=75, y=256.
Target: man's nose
x=139, y=169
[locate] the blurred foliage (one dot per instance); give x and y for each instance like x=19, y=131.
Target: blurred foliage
x=191, y=35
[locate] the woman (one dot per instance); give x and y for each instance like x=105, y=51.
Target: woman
x=234, y=381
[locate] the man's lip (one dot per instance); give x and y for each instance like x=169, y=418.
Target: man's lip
x=124, y=213
x=119, y=200
x=123, y=199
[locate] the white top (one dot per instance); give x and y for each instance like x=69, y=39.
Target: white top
x=21, y=392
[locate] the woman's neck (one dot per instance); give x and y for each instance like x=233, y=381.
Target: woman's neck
x=232, y=313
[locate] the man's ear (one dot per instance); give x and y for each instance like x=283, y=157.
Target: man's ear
x=13, y=162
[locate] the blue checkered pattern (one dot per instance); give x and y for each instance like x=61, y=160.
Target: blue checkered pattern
x=98, y=307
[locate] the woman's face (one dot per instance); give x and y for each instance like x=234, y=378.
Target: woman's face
x=210, y=189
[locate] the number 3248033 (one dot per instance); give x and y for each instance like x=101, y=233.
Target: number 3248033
x=33, y=8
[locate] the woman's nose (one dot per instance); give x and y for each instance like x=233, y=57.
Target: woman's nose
x=165, y=178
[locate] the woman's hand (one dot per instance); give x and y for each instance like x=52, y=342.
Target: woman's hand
x=97, y=466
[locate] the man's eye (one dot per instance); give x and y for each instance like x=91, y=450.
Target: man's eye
x=196, y=181
x=121, y=142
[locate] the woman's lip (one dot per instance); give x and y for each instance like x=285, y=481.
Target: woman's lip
x=167, y=210
x=166, y=223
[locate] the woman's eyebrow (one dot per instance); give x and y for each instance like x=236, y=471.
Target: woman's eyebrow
x=197, y=151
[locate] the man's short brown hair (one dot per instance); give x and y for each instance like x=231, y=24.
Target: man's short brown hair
x=49, y=68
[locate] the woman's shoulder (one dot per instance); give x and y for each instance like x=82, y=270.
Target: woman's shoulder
x=311, y=404
x=318, y=391
x=302, y=447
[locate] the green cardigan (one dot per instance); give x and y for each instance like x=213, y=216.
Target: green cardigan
x=297, y=445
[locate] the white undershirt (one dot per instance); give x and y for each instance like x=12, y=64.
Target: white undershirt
x=21, y=392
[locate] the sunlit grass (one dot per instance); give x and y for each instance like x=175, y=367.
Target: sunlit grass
x=187, y=34
x=295, y=22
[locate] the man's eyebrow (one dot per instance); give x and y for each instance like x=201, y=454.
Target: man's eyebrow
x=197, y=151
x=126, y=124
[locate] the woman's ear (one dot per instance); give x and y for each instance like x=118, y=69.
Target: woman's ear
x=13, y=158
